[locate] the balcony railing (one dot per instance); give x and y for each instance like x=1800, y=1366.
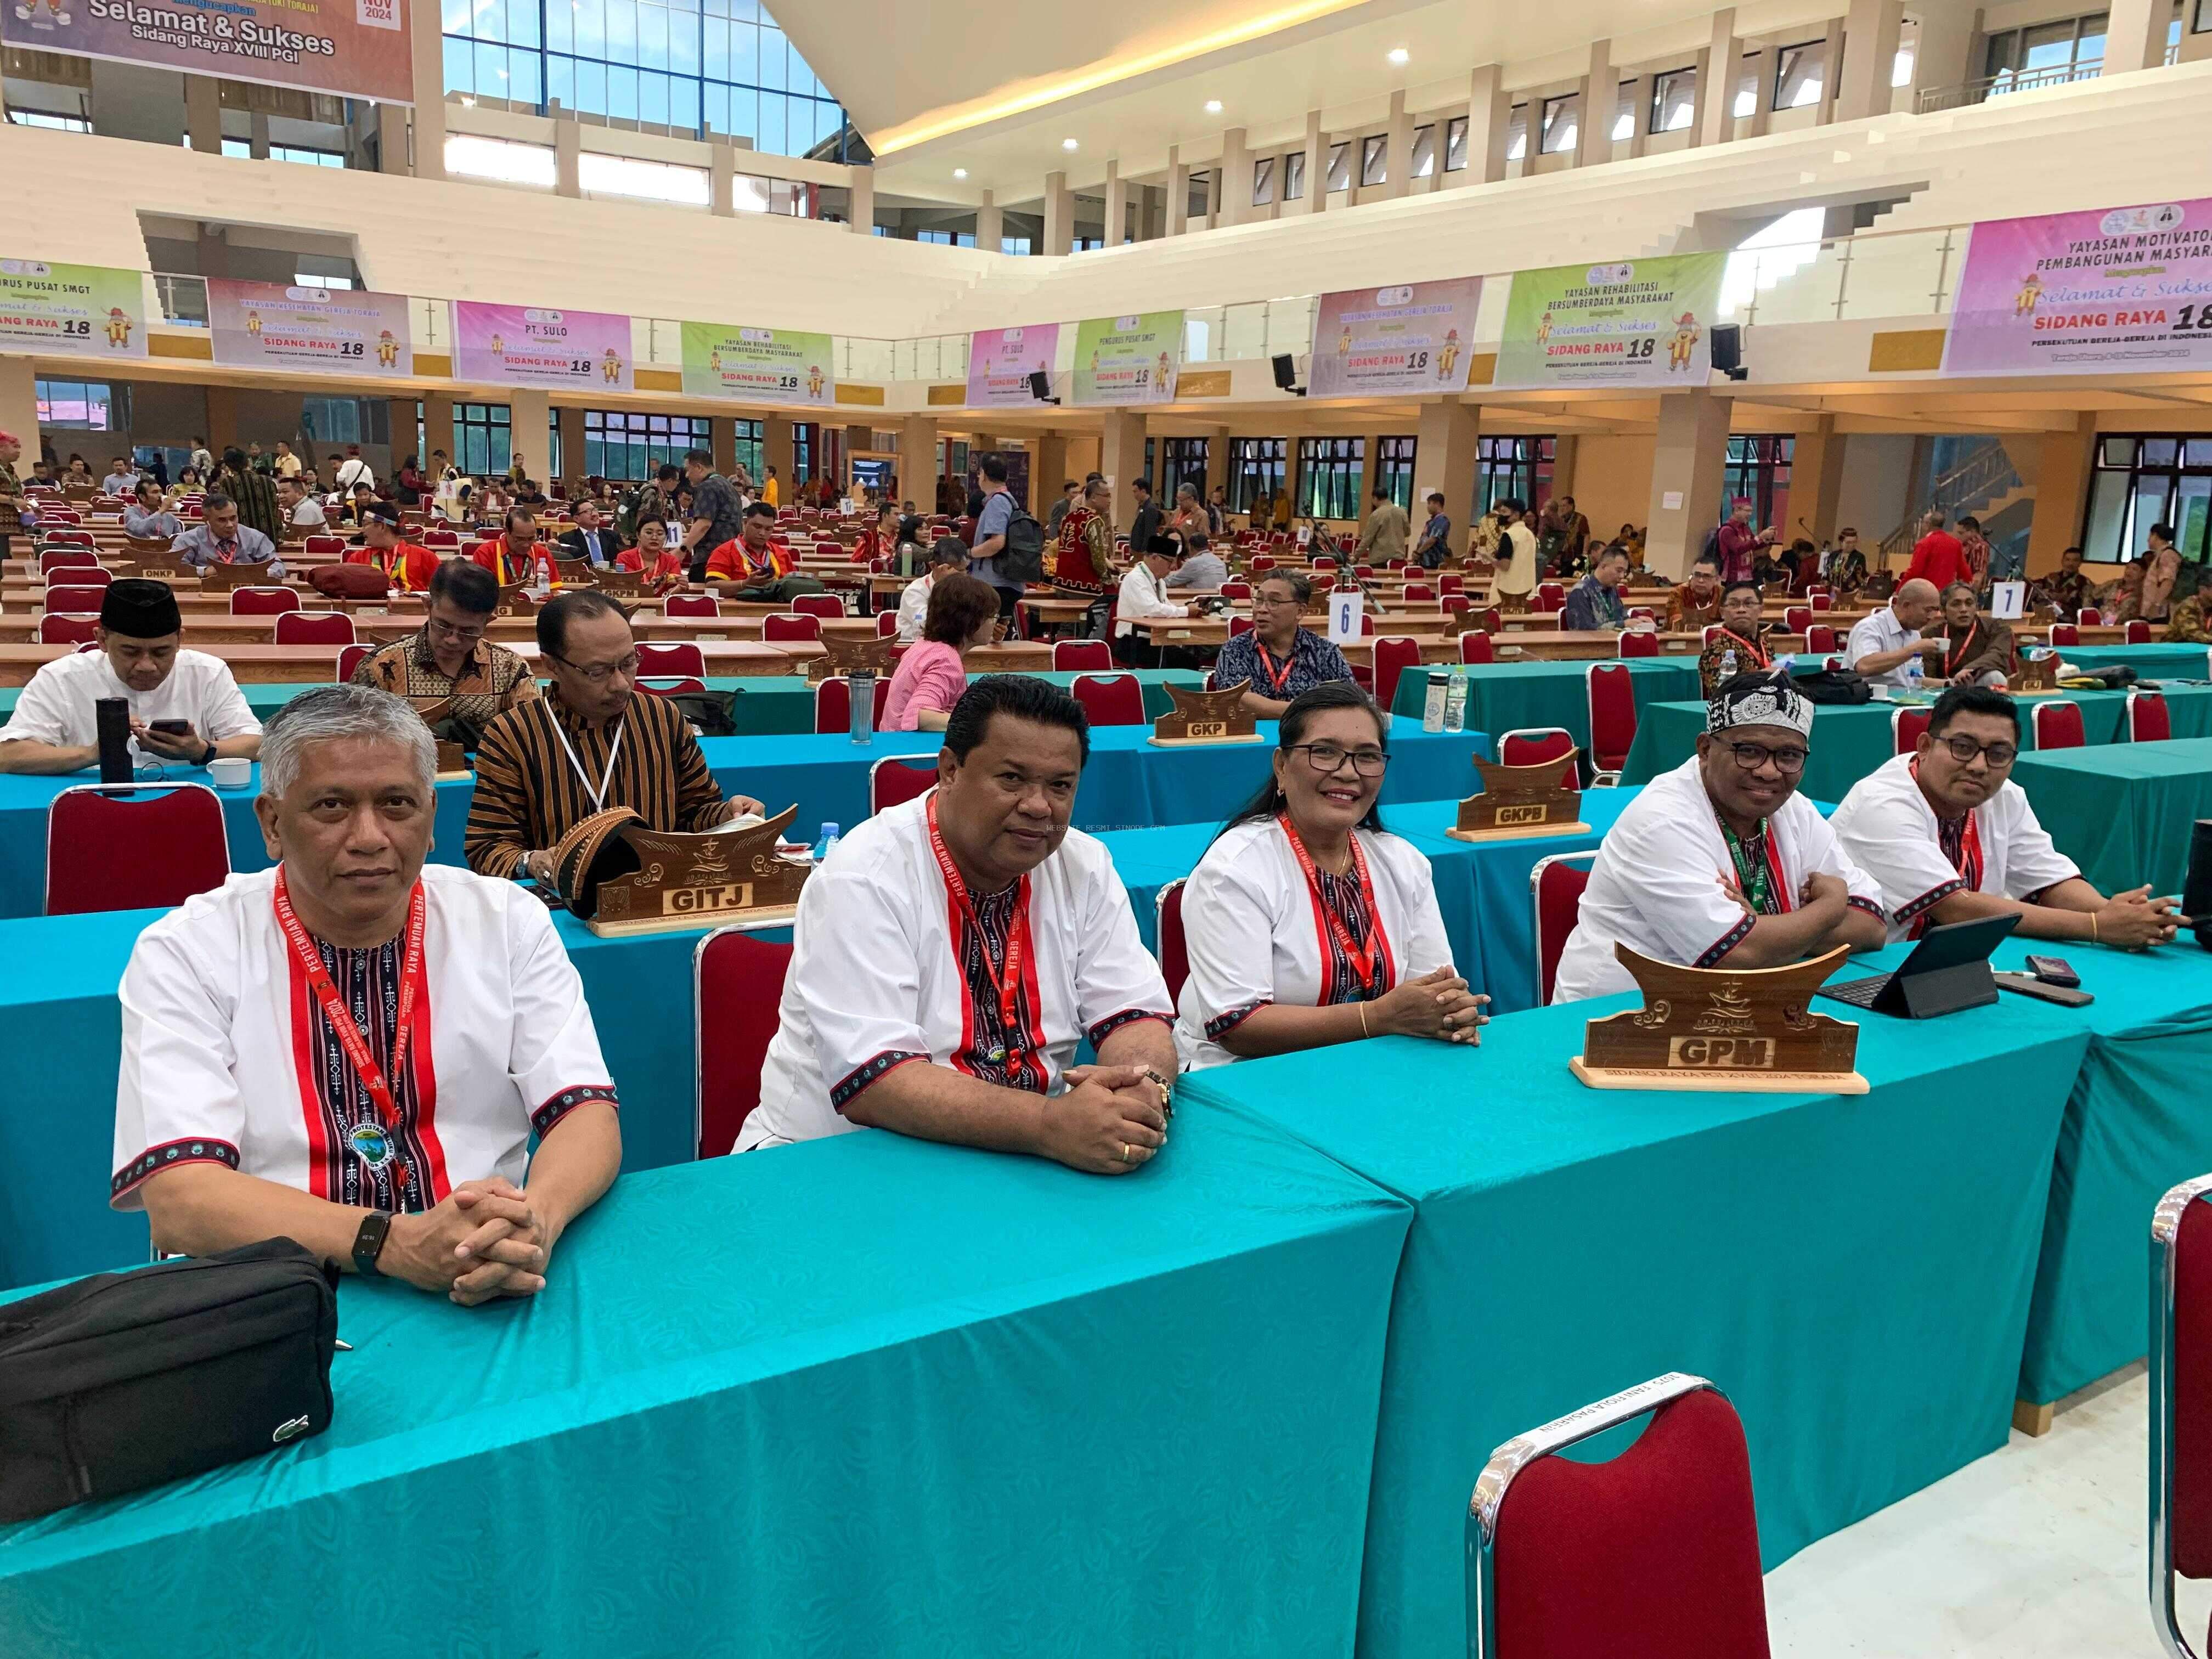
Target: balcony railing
x=1932, y=98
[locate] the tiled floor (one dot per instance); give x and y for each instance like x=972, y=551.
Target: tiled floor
x=2036, y=1551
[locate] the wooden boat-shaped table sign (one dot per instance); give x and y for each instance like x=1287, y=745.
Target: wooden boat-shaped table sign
x=1206, y=719
x=1745, y=1030
x=452, y=759
x=846, y=654
x=2037, y=675
x=619, y=584
x=1519, y=801
x=653, y=882
x=216, y=578
x=514, y=600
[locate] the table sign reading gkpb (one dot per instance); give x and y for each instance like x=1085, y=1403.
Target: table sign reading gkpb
x=1518, y=801
x=1748, y=1030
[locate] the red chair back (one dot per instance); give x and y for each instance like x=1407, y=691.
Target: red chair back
x=1074, y=656
x=691, y=605
x=1239, y=625
x=2058, y=724
x=1906, y=723
x=323, y=545
x=833, y=703
x=350, y=657
x=1535, y=745
x=1822, y=599
x=1659, y=1545
x=1451, y=582
x=2065, y=633
x=1110, y=699
x=1796, y=619
x=887, y=624
x=75, y=599
x=1550, y=596
x=1174, y=952
x=263, y=601
x=55, y=628
x=785, y=625
x=1419, y=593
x=66, y=547
x=1612, y=716
x=737, y=987
x=1555, y=891
x=2147, y=720
x=892, y=780
x=1820, y=638
x=670, y=685
x=1474, y=646
x=1233, y=589
x=1261, y=562
x=1635, y=644
x=660, y=657
x=96, y=846
x=819, y=605
x=2091, y=617
x=2138, y=631
x=1394, y=655
x=314, y=628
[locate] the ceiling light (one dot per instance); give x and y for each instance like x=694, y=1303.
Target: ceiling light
x=1213, y=106
x=1067, y=143
x=960, y=173
x=1400, y=55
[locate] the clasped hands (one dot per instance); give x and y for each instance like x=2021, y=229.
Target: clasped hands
x=485, y=1238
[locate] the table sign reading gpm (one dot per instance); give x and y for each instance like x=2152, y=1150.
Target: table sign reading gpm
x=1715, y=1028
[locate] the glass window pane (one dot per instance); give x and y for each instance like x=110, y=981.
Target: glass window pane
x=683, y=42
x=561, y=82
x=683, y=106
x=621, y=31
x=491, y=71
x=460, y=72
x=560, y=25
x=1674, y=99
x=1339, y=166
x=454, y=17
x=522, y=21
x=1798, y=74
x=1294, y=176
x=2161, y=451
x=523, y=87
x=590, y=20
x=1746, y=89
x=745, y=114
x=2148, y=507
x=771, y=135
x=1562, y=120
x=1517, y=133
x=2193, y=521
x=1424, y=151
x=1455, y=144
x=2050, y=46
x=772, y=55
x=652, y=100
x=1263, y=181
x=1374, y=161
x=653, y=37
x=2119, y=451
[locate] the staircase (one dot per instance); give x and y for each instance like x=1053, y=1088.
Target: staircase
x=1984, y=485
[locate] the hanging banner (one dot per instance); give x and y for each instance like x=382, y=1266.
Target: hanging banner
x=71, y=311
x=318, y=331
x=1002, y=360
x=1638, y=323
x=355, y=48
x=1412, y=339
x=2086, y=293
x=1127, y=360
x=532, y=345
x=759, y=365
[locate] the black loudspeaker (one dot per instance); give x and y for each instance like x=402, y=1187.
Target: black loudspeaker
x=1287, y=372
x=112, y=730
x=2196, y=890
x=1727, y=351
x=1040, y=385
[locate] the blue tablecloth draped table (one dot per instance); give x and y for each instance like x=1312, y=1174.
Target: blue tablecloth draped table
x=867, y=1396
x=1512, y=696
x=2124, y=813
x=1854, y=1270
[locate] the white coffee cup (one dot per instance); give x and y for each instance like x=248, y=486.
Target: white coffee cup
x=231, y=771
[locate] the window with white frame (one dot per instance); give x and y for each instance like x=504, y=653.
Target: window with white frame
x=1800, y=72
x=654, y=181
x=474, y=156
x=1673, y=100
x=1563, y=118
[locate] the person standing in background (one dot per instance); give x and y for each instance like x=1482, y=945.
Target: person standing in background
x=1383, y=535
x=253, y=491
x=1147, y=523
x=1059, y=509
x=1517, y=554
x=1738, y=543
x=1435, y=546
x=1938, y=558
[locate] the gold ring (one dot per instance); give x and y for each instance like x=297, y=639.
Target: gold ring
x=1126, y=1158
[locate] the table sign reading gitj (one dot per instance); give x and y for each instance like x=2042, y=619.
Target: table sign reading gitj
x=1201, y=718
x=1517, y=801
x=1748, y=1030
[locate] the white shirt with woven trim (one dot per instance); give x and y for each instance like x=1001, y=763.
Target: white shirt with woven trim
x=208, y=1056
x=1656, y=886
x=1888, y=829
x=873, y=981
x=58, y=706
x=1249, y=887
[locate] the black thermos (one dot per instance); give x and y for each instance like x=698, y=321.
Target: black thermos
x=113, y=716
x=2196, y=891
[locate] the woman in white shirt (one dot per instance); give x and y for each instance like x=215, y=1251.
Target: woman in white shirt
x=1355, y=944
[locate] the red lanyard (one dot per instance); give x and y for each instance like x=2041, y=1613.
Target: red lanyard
x=1278, y=680
x=1363, y=959
x=375, y=1152
x=1007, y=981
x=1968, y=864
x=1953, y=661
x=1765, y=657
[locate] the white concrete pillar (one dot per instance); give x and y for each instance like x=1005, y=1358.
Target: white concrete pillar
x=864, y=201
x=1316, y=182
x=722, y=177
x=1689, y=467
x=1943, y=52
x=2135, y=34
x=1059, y=215
x=529, y=413
x=1178, y=196
x=1489, y=114
x=1444, y=458
x=1870, y=49
x=1398, y=156
x=1601, y=91
x=1640, y=108
x=256, y=138
x=990, y=224
x=1233, y=198
x=426, y=36
x=568, y=158
x=19, y=407
x=1716, y=76
x=917, y=462
x=1831, y=72
x=204, y=126
x=1117, y=206
x=1122, y=457
x=1758, y=63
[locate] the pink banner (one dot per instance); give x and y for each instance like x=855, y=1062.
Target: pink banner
x=2087, y=293
x=1002, y=360
x=355, y=48
x=533, y=345
x=316, y=331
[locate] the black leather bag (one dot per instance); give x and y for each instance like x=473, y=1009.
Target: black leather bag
x=1834, y=687
x=123, y=1381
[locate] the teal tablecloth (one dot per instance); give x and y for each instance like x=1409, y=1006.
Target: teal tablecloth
x=2124, y=813
x=867, y=1396
x=1854, y=1270
x=2152, y=662
x=1511, y=697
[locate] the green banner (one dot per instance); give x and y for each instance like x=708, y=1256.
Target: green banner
x=1128, y=360
x=1634, y=323
x=759, y=365
x=74, y=310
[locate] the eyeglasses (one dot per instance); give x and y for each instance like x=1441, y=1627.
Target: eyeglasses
x=440, y=626
x=1753, y=756
x=1327, y=758
x=599, y=673
x=1270, y=601
x=1964, y=749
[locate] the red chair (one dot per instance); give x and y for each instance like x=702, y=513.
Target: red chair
x=819, y=605
x=1820, y=640
x=65, y=545
x=1642, y=613
x=895, y=779
x=1906, y=723
x=1454, y=605
x=691, y=605
x=350, y=657
x=1822, y=599
x=96, y=843
x=1796, y=619
x=2058, y=724
x=1555, y=891
x=660, y=657
x=1365, y=572
x=1705, y=635
x=887, y=625
x=2090, y=616
x=1532, y=745
x=2064, y=633
x=436, y=538
x=2147, y=720
x=2137, y=632
x=1658, y=1546
x=1233, y=589
x=1610, y=691
x=785, y=625
x=670, y=685
x=75, y=599
x=1451, y=581
x=1262, y=562
x=314, y=628
x=2180, y=1402
x=1550, y=596
x=1323, y=564
x=1474, y=646
x=737, y=988
x=833, y=703
x=333, y=546
x=1633, y=643
x=1419, y=593
x=1110, y=699
x=1073, y=656
x=1366, y=626
x=263, y=601
x=1239, y=625
x=1394, y=655
x=1174, y=951
x=55, y=628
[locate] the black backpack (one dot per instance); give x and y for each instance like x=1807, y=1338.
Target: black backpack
x=1022, y=558
x=1712, y=547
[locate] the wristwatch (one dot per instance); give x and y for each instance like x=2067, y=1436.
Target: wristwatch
x=369, y=1242
x=205, y=758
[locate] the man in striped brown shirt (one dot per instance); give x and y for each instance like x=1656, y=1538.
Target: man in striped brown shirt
x=593, y=742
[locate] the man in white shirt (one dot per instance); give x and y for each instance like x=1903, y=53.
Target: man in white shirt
x=300, y=508
x=1883, y=642
x=121, y=479
x=947, y=554
x=185, y=709
x=1721, y=861
x=1144, y=593
x=1951, y=837
x=954, y=952
x=354, y=471
x=353, y=1050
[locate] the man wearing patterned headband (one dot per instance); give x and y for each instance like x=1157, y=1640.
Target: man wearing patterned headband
x=1721, y=861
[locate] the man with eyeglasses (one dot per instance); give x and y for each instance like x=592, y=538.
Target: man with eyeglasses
x=1977, y=650
x=1277, y=659
x=1720, y=862
x=1741, y=646
x=545, y=766
x=1951, y=838
x=449, y=658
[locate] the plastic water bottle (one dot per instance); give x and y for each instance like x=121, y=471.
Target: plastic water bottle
x=827, y=844
x=1432, y=710
x=1913, y=672
x=1455, y=702
x=1728, y=665
x=861, y=683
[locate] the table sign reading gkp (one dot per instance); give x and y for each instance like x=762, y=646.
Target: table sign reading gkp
x=761, y=365
x=1413, y=337
x=1002, y=360
x=75, y=311
x=1636, y=322
x=321, y=330
x=1127, y=360
x=536, y=345
x=2086, y=293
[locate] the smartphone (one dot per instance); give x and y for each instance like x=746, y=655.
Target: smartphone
x=170, y=728
x=2055, y=970
x=2028, y=986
